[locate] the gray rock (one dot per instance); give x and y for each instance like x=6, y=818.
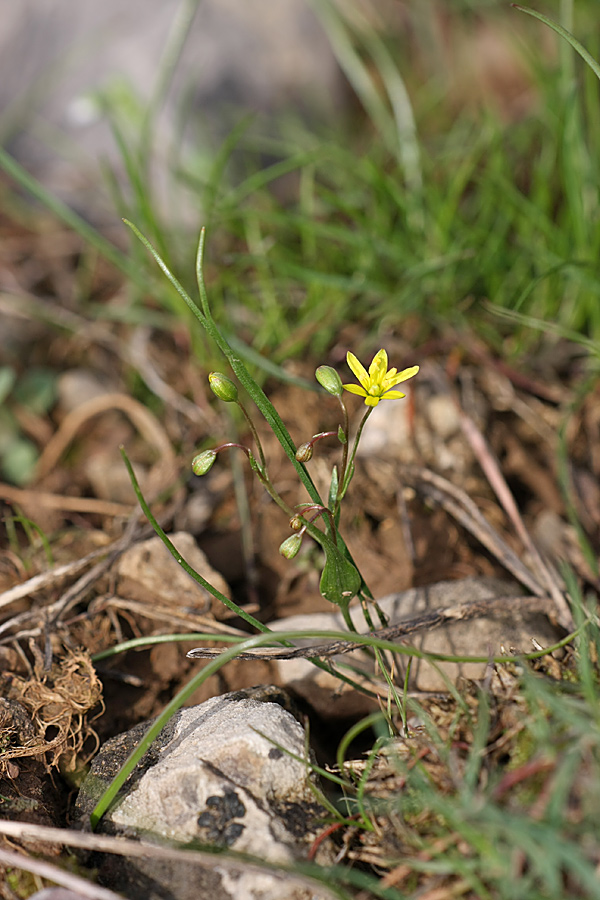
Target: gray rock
x=388, y=432
x=443, y=414
x=475, y=637
x=432, y=438
x=221, y=774
x=148, y=571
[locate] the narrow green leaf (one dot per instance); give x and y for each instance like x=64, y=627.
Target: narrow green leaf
x=333, y=488
x=572, y=40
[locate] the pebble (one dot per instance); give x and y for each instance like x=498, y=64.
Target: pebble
x=227, y=773
x=147, y=571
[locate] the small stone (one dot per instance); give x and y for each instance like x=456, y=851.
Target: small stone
x=212, y=777
x=148, y=572
x=387, y=431
x=110, y=479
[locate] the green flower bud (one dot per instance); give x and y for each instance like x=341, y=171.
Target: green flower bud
x=202, y=463
x=223, y=387
x=330, y=380
x=296, y=523
x=304, y=452
x=290, y=546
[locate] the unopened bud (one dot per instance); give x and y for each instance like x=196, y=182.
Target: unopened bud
x=296, y=523
x=304, y=452
x=223, y=387
x=202, y=463
x=290, y=546
x=330, y=380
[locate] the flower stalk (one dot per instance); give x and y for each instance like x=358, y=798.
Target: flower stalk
x=340, y=580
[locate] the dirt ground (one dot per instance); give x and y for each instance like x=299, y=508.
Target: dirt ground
x=141, y=388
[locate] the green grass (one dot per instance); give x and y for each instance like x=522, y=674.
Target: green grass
x=412, y=212
x=407, y=219
x=537, y=838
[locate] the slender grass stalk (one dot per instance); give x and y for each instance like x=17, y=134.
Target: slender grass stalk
x=141, y=643
x=563, y=33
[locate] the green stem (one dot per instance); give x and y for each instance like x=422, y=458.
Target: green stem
x=254, y=432
x=345, y=611
x=348, y=475
x=204, y=317
x=319, y=536
x=254, y=390
x=326, y=513
x=344, y=466
x=572, y=40
x=367, y=615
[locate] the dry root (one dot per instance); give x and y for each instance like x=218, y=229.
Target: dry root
x=44, y=716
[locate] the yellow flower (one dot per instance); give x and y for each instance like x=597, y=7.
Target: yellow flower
x=376, y=384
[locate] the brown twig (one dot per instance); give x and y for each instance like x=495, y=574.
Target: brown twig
x=548, y=578
x=23, y=831
x=80, y=886
x=142, y=418
x=62, y=502
x=56, y=576
x=463, y=509
x=53, y=577
x=459, y=612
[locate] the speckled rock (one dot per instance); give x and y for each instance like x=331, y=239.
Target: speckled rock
x=221, y=774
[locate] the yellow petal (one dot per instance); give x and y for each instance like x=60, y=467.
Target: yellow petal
x=371, y=401
x=393, y=395
x=404, y=375
x=355, y=389
x=358, y=369
x=379, y=364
